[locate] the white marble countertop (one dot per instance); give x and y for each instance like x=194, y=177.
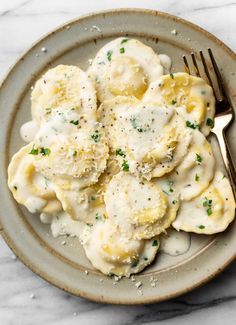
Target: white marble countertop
x=26, y=299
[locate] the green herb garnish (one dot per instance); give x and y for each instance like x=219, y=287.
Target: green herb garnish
x=34, y=151
x=45, y=151
x=109, y=55
x=207, y=203
x=192, y=125
x=75, y=122
x=171, y=75
x=74, y=153
x=124, y=40
x=119, y=152
x=209, y=211
x=134, y=124
x=210, y=122
x=198, y=158
x=197, y=177
x=155, y=242
x=15, y=188
x=125, y=166
x=96, y=136
x=97, y=216
x=201, y=227
x=174, y=201
x=173, y=102
x=122, y=50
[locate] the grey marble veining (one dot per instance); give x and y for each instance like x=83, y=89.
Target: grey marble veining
x=26, y=299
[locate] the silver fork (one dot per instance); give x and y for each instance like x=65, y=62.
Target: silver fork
x=224, y=111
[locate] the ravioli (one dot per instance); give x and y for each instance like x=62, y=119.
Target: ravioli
x=124, y=67
x=148, y=140
x=75, y=159
x=112, y=252
x=191, y=96
x=64, y=86
x=193, y=175
x=28, y=186
x=87, y=204
x=209, y=213
x=140, y=208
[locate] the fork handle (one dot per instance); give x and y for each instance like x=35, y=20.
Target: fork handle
x=227, y=158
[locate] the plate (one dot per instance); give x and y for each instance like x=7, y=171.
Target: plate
x=65, y=265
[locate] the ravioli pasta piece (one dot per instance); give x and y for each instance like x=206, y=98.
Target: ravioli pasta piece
x=28, y=186
x=191, y=96
x=193, y=175
x=124, y=67
x=139, y=208
x=148, y=140
x=112, y=252
x=64, y=86
x=87, y=204
x=77, y=158
x=209, y=213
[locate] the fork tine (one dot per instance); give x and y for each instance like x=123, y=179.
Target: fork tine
x=207, y=72
x=197, y=72
x=186, y=66
x=218, y=76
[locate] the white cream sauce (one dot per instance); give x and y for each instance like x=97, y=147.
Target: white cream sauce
x=175, y=243
x=165, y=62
x=62, y=224
x=28, y=131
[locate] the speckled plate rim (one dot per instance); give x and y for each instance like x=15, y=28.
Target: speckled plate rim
x=5, y=235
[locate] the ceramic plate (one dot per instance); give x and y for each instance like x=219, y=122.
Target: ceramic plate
x=65, y=265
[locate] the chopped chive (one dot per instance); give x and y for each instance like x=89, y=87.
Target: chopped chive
x=192, y=125
x=209, y=211
x=75, y=122
x=119, y=152
x=171, y=75
x=122, y=50
x=109, y=55
x=97, y=216
x=173, y=102
x=124, y=40
x=201, y=227
x=197, y=177
x=34, y=151
x=154, y=243
x=96, y=136
x=15, y=188
x=74, y=153
x=208, y=104
x=210, y=122
x=45, y=151
x=198, y=158
x=125, y=166
x=174, y=201
x=145, y=258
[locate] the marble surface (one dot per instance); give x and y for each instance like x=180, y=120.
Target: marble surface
x=25, y=299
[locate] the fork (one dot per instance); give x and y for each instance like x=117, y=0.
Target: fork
x=224, y=112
